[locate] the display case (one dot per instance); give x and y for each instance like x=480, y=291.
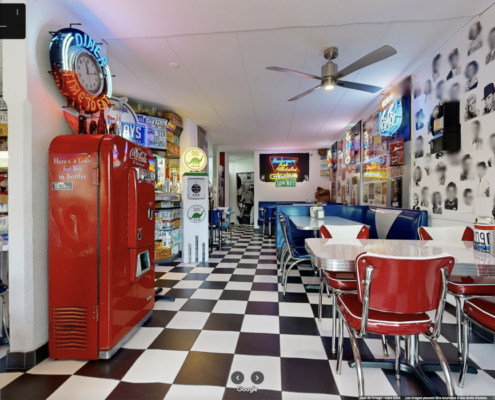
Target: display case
x=168, y=230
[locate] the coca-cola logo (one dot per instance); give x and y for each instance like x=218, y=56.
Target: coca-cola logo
x=138, y=155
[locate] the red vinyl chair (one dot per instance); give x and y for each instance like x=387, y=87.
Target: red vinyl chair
x=480, y=311
x=341, y=282
x=393, y=297
x=461, y=287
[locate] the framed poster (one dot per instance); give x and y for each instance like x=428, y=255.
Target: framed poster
x=203, y=145
x=245, y=196
x=286, y=166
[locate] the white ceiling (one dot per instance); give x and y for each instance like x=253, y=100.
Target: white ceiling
x=224, y=46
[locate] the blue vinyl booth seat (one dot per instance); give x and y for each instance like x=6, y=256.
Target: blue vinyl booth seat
x=385, y=223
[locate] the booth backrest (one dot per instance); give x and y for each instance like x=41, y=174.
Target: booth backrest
x=393, y=223
x=385, y=223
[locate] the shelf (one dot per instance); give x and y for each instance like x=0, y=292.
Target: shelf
x=167, y=208
x=162, y=196
x=167, y=260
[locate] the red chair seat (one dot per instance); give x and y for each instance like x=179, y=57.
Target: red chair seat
x=380, y=322
x=341, y=280
x=472, y=285
x=482, y=310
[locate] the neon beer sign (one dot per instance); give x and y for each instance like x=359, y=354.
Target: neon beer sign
x=284, y=167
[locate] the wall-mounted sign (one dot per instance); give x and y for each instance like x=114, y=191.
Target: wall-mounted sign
x=285, y=183
x=284, y=166
x=195, y=159
x=132, y=129
x=388, y=99
x=396, y=152
x=391, y=118
x=80, y=71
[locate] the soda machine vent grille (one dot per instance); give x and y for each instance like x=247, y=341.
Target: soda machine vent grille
x=70, y=328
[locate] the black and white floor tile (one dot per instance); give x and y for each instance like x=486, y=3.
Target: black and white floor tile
x=230, y=316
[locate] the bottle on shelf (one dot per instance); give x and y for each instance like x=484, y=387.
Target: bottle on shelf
x=93, y=126
x=112, y=128
x=102, y=124
x=119, y=128
x=82, y=128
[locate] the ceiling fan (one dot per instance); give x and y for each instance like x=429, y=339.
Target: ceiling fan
x=330, y=77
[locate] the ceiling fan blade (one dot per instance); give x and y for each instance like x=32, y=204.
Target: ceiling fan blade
x=289, y=71
x=305, y=93
x=375, y=56
x=359, y=86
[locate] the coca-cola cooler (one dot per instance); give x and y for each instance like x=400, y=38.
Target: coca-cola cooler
x=101, y=244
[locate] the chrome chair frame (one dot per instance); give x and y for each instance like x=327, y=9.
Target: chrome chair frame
x=432, y=335
x=467, y=320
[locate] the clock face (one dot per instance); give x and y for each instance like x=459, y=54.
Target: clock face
x=89, y=73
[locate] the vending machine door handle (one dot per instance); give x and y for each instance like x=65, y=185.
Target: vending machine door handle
x=132, y=236
x=151, y=213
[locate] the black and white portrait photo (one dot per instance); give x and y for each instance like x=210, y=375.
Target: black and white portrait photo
x=417, y=176
x=441, y=170
x=420, y=120
x=475, y=40
x=491, y=160
x=415, y=205
x=417, y=90
x=467, y=164
x=425, y=194
x=491, y=43
x=245, y=196
x=418, y=147
x=451, y=202
x=428, y=89
x=455, y=92
x=435, y=66
x=471, y=75
x=483, y=189
x=436, y=202
x=489, y=91
x=471, y=110
x=440, y=90
x=455, y=68
x=476, y=140
x=468, y=197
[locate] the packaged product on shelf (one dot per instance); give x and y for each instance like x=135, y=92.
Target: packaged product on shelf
x=174, y=118
x=176, y=223
x=170, y=137
x=175, y=250
x=160, y=234
x=176, y=213
x=163, y=253
x=4, y=227
x=167, y=215
x=158, y=244
x=164, y=204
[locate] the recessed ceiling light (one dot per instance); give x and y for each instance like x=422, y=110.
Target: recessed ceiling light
x=174, y=65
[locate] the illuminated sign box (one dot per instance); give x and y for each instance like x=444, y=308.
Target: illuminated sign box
x=285, y=166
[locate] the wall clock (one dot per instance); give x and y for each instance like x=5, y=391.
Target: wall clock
x=81, y=73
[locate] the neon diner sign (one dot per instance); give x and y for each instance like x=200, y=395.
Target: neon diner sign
x=284, y=167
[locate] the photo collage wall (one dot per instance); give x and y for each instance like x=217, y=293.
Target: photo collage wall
x=458, y=186
x=349, y=166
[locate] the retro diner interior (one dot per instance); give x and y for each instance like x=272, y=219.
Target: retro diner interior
x=321, y=179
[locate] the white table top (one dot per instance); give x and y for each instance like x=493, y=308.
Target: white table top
x=307, y=223
x=340, y=255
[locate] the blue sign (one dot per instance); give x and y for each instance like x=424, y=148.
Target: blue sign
x=391, y=118
x=135, y=133
x=87, y=42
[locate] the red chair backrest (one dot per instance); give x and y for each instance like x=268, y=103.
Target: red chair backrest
x=403, y=285
x=343, y=232
x=464, y=233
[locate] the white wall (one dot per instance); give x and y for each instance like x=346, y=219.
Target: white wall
x=237, y=166
x=483, y=205
x=266, y=191
x=35, y=118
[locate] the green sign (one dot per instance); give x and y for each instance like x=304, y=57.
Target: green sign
x=285, y=183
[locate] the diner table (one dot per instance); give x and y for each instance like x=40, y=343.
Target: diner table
x=340, y=256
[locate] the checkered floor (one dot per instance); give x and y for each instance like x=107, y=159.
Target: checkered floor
x=229, y=316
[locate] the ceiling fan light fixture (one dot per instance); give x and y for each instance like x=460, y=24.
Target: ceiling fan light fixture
x=329, y=84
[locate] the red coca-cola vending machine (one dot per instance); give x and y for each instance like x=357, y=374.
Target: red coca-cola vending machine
x=101, y=244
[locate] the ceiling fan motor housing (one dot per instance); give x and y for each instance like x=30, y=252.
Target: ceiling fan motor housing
x=329, y=69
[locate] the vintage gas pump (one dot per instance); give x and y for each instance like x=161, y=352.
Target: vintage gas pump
x=195, y=207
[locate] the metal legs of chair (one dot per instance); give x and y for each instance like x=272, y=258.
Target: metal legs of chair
x=459, y=302
x=384, y=345
x=445, y=367
x=397, y=356
x=465, y=351
x=355, y=352
x=288, y=271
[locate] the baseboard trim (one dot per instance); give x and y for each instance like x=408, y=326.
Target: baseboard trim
x=19, y=360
